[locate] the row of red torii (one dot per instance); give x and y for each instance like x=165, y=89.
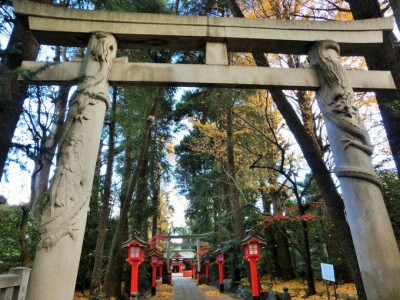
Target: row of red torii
x=63, y=221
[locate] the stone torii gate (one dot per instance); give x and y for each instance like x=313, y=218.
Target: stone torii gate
x=63, y=221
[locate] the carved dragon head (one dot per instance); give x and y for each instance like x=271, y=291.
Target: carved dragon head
x=104, y=48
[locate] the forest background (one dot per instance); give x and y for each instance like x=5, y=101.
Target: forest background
x=250, y=159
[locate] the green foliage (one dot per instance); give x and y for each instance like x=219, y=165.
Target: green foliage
x=215, y=8
x=391, y=194
x=148, y=6
x=10, y=248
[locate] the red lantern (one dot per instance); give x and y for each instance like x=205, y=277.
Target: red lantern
x=135, y=257
x=155, y=257
x=252, y=253
x=220, y=260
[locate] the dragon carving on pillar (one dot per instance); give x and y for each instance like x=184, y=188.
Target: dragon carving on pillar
x=335, y=102
x=69, y=191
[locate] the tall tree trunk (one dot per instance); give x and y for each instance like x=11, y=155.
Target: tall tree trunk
x=105, y=209
x=333, y=201
x=118, y=236
x=218, y=214
x=21, y=46
x=117, y=277
x=43, y=163
x=234, y=192
x=140, y=207
x=25, y=251
x=306, y=252
x=384, y=58
x=155, y=199
x=283, y=254
x=41, y=172
x=238, y=223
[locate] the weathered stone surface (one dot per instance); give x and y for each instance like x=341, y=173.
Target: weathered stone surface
x=70, y=27
x=247, y=294
x=377, y=252
x=210, y=75
x=7, y=280
x=62, y=223
x=228, y=284
x=216, y=54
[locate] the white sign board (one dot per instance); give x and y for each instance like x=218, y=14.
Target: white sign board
x=327, y=272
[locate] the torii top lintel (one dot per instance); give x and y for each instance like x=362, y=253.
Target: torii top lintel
x=72, y=27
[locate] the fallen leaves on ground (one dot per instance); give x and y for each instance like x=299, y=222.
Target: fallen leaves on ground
x=81, y=295
x=212, y=293
x=203, y=286
x=297, y=289
x=165, y=294
x=165, y=287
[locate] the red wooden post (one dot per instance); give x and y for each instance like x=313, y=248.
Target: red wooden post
x=134, y=279
x=207, y=264
x=221, y=276
x=254, y=279
x=153, y=280
x=153, y=263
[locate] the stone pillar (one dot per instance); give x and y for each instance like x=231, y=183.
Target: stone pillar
x=63, y=221
x=374, y=241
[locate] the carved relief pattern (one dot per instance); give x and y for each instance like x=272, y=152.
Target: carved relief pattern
x=335, y=101
x=67, y=194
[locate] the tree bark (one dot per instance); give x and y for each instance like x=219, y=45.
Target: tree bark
x=41, y=173
x=306, y=252
x=283, y=254
x=21, y=46
x=235, y=197
x=156, y=202
x=333, y=201
x=43, y=161
x=118, y=236
x=140, y=206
